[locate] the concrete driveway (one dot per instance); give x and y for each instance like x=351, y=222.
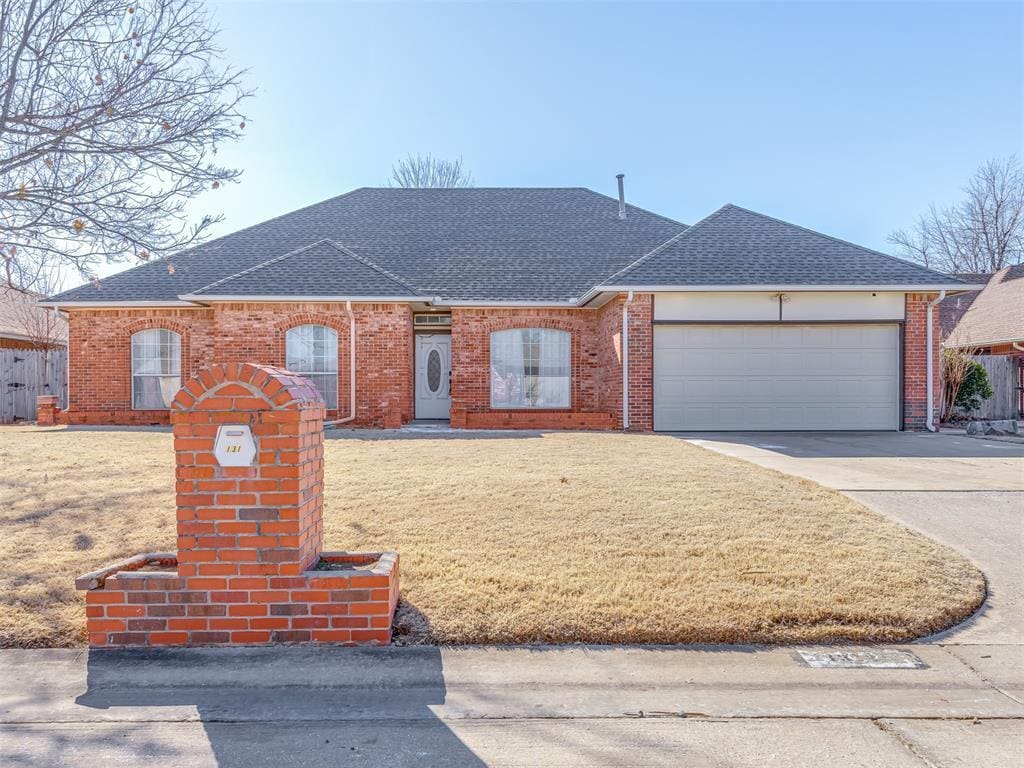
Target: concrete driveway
x=966, y=492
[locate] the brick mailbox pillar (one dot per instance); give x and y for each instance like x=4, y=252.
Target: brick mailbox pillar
x=250, y=569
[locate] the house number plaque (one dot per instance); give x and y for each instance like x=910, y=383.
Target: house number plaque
x=234, y=446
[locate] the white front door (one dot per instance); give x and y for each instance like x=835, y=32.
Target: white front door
x=433, y=375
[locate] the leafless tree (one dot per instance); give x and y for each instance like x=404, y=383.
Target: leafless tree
x=955, y=365
x=982, y=233
x=111, y=112
x=429, y=171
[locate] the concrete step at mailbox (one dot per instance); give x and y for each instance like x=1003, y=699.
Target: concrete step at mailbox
x=250, y=566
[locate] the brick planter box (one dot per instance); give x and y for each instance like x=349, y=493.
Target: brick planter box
x=250, y=567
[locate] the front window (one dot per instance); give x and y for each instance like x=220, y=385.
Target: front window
x=530, y=368
x=156, y=369
x=312, y=350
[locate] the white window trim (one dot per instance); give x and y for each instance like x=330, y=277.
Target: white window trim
x=131, y=365
x=337, y=365
x=490, y=370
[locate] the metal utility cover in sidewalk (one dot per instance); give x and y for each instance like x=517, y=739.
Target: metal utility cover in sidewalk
x=869, y=658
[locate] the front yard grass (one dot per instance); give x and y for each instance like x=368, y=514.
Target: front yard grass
x=600, y=538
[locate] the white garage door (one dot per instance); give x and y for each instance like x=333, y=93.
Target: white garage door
x=776, y=377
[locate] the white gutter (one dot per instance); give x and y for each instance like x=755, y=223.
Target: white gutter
x=510, y=304
x=351, y=369
x=66, y=305
x=930, y=421
x=625, y=360
x=299, y=299
x=954, y=287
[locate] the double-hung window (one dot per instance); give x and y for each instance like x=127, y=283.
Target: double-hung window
x=530, y=368
x=312, y=350
x=156, y=369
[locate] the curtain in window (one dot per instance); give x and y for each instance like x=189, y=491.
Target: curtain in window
x=156, y=369
x=530, y=368
x=312, y=350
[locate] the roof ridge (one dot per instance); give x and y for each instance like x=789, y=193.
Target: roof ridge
x=843, y=242
x=261, y=265
x=372, y=265
x=667, y=243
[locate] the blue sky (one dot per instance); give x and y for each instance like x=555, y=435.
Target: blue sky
x=848, y=118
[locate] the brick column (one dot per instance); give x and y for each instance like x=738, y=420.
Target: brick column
x=915, y=362
x=46, y=410
x=641, y=363
x=260, y=520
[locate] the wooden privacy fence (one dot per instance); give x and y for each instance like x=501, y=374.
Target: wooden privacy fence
x=1004, y=374
x=22, y=380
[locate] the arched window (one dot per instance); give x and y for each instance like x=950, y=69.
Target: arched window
x=530, y=368
x=156, y=369
x=312, y=350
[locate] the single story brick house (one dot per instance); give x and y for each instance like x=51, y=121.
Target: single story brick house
x=523, y=307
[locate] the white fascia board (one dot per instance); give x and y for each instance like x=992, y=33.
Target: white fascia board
x=117, y=304
x=952, y=344
x=318, y=299
x=909, y=288
x=4, y=334
x=507, y=304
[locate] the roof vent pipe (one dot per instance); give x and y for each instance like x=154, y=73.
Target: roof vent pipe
x=622, y=196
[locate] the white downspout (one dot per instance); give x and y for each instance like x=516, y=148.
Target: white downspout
x=930, y=421
x=1016, y=345
x=625, y=360
x=351, y=369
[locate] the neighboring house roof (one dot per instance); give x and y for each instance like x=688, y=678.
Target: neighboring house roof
x=496, y=245
x=952, y=308
x=477, y=243
x=22, y=318
x=997, y=314
x=734, y=246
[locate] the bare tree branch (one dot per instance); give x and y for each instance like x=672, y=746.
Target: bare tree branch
x=429, y=171
x=982, y=233
x=111, y=113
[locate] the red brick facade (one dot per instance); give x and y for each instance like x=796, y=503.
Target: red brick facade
x=250, y=538
x=100, y=359
x=915, y=362
x=100, y=390
x=591, y=405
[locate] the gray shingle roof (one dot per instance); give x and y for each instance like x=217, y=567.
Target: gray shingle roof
x=498, y=244
x=734, y=246
x=470, y=244
x=321, y=269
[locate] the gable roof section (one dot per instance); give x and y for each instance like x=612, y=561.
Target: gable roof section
x=490, y=244
x=996, y=316
x=321, y=269
x=737, y=247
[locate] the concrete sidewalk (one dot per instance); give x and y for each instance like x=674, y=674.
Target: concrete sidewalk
x=520, y=706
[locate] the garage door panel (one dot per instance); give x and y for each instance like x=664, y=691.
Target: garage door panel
x=776, y=377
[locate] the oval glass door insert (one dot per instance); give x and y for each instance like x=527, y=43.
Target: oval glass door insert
x=434, y=371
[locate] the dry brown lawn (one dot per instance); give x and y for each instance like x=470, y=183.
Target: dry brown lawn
x=602, y=538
